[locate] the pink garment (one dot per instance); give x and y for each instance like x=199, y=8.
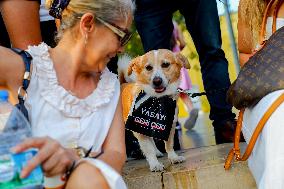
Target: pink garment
x=176, y=47
x=185, y=83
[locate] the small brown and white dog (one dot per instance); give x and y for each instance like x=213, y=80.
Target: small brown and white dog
x=157, y=73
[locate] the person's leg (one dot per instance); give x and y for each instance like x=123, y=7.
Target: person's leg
x=203, y=24
x=153, y=20
x=193, y=112
x=21, y=19
x=132, y=146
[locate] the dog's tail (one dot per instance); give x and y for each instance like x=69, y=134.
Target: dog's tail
x=122, y=64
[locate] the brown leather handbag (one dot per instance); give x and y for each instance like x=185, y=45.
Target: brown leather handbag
x=264, y=71
x=261, y=75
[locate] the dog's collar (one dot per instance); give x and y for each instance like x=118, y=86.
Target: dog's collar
x=142, y=94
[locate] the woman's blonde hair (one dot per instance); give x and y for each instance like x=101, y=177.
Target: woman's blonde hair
x=251, y=12
x=109, y=10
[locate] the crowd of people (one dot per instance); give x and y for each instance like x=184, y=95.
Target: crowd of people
x=73, y=99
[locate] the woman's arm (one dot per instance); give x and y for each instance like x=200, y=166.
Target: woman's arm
x=245, y=42
x=114, y=145
x=22, y=22
x=243, y=58
x=11, y=70
x=86, y=175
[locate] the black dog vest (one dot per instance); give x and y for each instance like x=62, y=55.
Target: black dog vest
x=153, y=118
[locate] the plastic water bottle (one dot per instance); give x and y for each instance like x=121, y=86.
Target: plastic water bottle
x=14, y=128
x=5, y=108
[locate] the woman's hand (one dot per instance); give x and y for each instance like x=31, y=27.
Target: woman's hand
x=53, y=158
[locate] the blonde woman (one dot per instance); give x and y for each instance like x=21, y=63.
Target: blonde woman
x=267, y=159
x=73, y=99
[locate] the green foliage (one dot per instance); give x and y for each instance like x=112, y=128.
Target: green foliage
x=180, y=20
x=134, y=47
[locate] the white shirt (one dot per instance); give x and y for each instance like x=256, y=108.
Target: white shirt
x=73, y=122
x=267, y=159
x=279, y=24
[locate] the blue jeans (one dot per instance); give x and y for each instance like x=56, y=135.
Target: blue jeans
x=153, y=20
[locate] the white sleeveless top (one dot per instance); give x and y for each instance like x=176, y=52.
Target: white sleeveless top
x=279, y=24
x=73, y=122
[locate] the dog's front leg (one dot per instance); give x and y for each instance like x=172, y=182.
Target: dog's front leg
x=149, y=151
x=169, y=145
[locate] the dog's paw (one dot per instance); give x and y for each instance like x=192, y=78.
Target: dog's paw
x=157, y=167
x=159, y=154
x=176, y=159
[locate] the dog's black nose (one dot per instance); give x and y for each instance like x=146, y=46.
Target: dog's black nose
x=157, y=81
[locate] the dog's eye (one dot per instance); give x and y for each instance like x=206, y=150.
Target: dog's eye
x=165, y=64
x=149, y=68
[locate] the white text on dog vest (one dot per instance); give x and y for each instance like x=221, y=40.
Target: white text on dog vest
x=153, y=115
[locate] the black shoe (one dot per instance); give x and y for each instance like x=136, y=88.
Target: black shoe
x=132, y=146
x=225, y=132
x=136, y=154
x=160, y=144
x=190, y=122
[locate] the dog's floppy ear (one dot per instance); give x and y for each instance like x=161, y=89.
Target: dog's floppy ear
x=183, y=60
x=133, y=65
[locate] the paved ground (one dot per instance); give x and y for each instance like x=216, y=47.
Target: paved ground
x=203, y=169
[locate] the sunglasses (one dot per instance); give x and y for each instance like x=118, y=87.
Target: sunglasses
x=123, y=34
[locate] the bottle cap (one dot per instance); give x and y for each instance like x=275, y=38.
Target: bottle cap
x=4, y=95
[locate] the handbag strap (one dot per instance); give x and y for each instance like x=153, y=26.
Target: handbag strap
x=235, y=151
x=275, y=13
x=27, y=58
x=262, y=37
